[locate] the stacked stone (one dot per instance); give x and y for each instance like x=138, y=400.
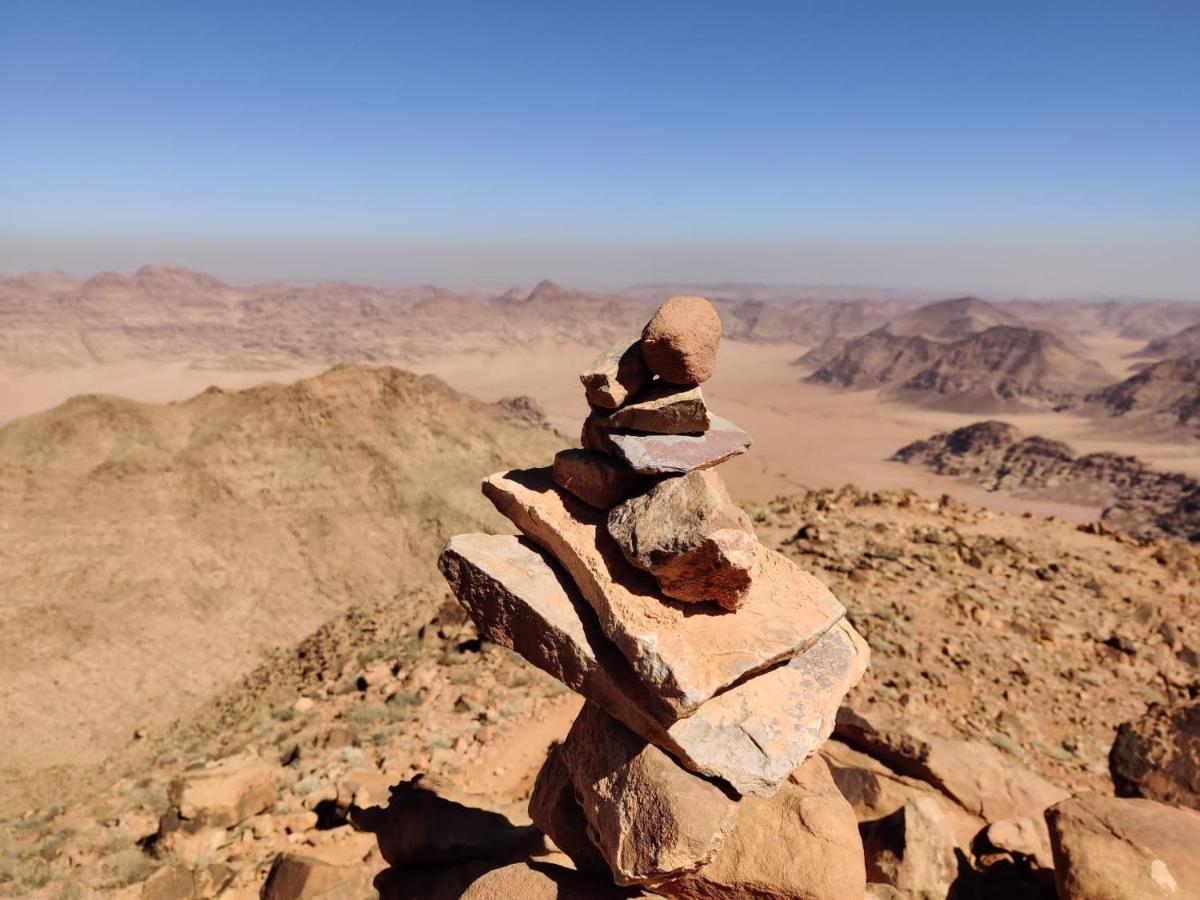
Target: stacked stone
x=712, y=667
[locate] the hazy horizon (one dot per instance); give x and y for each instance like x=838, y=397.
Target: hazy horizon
x=1016, y=150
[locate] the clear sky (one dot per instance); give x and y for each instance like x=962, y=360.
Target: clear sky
x=1030, y=147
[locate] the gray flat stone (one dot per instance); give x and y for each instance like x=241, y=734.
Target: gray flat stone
x=667, y=454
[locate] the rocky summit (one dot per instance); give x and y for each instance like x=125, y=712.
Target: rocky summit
x=713, y=667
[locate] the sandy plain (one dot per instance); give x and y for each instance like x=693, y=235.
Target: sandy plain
x=805, y=436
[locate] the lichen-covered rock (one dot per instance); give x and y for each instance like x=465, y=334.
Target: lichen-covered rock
x=689, y=534
x=680, y=341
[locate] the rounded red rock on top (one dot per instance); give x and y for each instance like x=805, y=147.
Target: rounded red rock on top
x=680, y=343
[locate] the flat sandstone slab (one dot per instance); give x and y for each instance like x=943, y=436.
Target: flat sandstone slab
x=667, y=454
x=750, y=736
x=685, y=653
x=663, y=408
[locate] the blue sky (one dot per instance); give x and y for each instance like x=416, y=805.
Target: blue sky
x=733, y=124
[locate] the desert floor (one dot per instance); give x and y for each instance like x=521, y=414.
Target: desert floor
x=804, y=436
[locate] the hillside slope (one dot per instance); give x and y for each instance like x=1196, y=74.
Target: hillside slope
x=952, y=319
x=1163, y=397
x=152, y=553
x=1002, y=367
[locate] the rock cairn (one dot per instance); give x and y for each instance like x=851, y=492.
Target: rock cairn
x=712, y=667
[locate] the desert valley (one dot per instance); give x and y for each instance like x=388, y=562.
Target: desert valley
x=229, y=665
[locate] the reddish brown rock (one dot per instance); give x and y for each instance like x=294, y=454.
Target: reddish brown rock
x=684, y=654
x=663, y=408
x=650, y=817
x=667, y=454
x=691, y=537
x=680, y=341
x=1109, y=848
x=1158, y=755
x=802, y=844
x=751, y=735
x=614, y=375
x=224, y=793
x=597, y=479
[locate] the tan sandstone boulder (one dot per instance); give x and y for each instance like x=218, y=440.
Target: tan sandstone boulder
x=1108, y=848
x=689, y=534
x=680, y=341
x=802, y=844
x=912, y=849
x=222, y=794
x=649, y=816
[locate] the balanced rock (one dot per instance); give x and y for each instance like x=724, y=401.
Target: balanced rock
x=650, y=817
x=912, y=849
x=680, y=341
x=802, y=844
x=663, y=408
x=1158, y=755
x=750, y=736
x=554, y=809
x=222, y=794
x=1109, y=848
x=666, y=454
x=683, y=653
x=688, y=533
x=614, y=375
x=596, y=478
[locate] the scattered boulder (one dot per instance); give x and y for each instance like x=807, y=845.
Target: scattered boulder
x=802, y=844
x=222, y=794
x=1110, y=848
x=690, y=535
x=875, y=791
x=667, y=454
x=596, y=478
x=614, y=375
x=977, y=776
x=542, y=881
x=663, y=408
x=179, y=882
x=1013, y=858
x=650, y=817
x=680, y=341
x=297, y=877
x=1158, y=756
x=683, y=656
x=912, y=849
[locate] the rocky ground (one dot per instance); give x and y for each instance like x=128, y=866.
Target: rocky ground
x=1028, y=638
